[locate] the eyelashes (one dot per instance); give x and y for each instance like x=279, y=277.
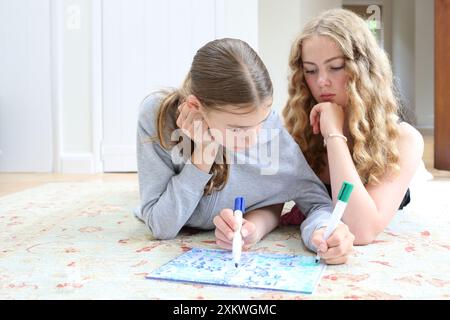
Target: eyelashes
x=315, y=70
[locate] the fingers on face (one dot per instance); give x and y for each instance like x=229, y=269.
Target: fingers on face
x=312, y=115
x=180, y=120
x=316, y=128
x=314, y=118
x=183, y=110
x=315, y=125
x=189, y=121
x=187, y=116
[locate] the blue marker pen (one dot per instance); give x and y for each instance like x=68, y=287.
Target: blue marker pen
x=239, y=208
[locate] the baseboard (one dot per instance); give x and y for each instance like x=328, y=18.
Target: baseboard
x=119, y=158
x=425, y=121
x=77, y=163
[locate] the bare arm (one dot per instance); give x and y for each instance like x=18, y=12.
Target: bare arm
x=372, y=207
x=265, y=220
x=256, y=225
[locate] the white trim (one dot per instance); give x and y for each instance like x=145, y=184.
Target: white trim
x=119, y=158
x=56, y=48
x=117, y=150
x=77, y=163
x=424, y=127
x=97, y=83
x=425, y=121
x=363, y=2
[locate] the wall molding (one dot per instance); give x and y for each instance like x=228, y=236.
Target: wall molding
x=56, y=23
x=97, y=83
x=425, y=121
x=77, y=163
x=117, y=158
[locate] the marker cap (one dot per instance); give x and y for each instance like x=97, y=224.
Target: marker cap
x=345, y=192
x=239, y=204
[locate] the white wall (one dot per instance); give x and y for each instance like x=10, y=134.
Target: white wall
x=51, y=43
x=238, y=19
x=424, y=63
x=149, y=45
x=309, y=9
x=279, y=23
x=25, y=86
x=403, y=49
x=76, y=129
x=278, y=26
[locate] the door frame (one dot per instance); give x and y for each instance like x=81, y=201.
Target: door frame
x=442, y=79
x=97, y=84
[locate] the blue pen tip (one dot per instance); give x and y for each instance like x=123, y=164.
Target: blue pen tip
x=239, y=204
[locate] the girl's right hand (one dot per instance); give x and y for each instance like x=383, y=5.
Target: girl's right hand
x=327, y=118
x=337, y=248
x=225, y=223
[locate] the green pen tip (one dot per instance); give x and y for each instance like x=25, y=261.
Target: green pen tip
x=345, y=192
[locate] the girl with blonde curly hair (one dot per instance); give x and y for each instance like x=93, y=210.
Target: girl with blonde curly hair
x=344, y=114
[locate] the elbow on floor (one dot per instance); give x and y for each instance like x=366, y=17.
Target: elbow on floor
x=365, y=238
x=162, y=234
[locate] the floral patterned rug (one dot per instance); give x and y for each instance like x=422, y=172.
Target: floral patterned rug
x=81, y=241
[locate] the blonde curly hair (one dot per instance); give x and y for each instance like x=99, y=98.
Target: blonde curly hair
x=372, y=104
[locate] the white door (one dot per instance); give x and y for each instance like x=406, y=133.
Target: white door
x=25, y=87
x=147, y=45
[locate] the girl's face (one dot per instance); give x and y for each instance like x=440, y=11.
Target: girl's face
x=324, y=70
x=237, y=130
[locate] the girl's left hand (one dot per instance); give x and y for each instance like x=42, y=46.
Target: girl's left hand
x=327, y=118
x=193, y=125
x=337, y=247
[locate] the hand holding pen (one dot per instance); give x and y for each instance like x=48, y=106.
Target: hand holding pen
x=335, y=241
x=226, y=225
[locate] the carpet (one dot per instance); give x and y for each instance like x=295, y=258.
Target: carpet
x=82, y=241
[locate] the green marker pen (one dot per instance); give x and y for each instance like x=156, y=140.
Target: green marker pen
x=336, y=216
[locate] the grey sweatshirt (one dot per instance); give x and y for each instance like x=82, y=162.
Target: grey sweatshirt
x=172, y=196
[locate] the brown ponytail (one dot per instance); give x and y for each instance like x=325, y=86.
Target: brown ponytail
x=223, y=72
